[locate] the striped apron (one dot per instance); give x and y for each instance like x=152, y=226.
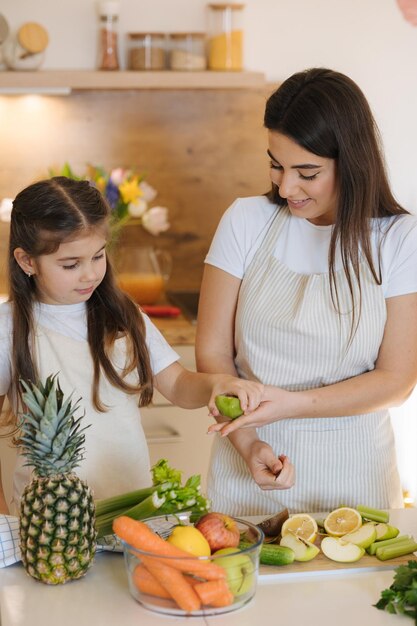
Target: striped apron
x=288, y=334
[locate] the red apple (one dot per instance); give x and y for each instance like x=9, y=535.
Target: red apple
x=220, y=530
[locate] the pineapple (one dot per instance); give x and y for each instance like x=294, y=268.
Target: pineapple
x=57, y=513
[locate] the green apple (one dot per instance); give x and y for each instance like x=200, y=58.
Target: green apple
x=363, y=537
x=385, y=531
x=342, y=551
x=239, y=568
x=229, y=406
x=303, y=550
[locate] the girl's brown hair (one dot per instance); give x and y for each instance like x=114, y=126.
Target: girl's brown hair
x=44, y=215
x=326, y=113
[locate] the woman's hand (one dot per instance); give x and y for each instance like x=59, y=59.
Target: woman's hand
x=249, y=392
x=276, y=404
x=269, y=471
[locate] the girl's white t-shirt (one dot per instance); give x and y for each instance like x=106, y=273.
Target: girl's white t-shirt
x=303, y=247
x=71, y=320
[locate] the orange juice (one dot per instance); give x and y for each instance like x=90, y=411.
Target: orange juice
x=144, y=288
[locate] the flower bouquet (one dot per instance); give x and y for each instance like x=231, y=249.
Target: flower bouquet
x=128, y=195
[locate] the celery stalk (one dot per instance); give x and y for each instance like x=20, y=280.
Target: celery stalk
x=122, y=501
x=387, y=542
x=393, y=552
x=374, y=515
x=166, y=496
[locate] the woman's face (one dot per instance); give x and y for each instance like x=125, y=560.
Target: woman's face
x=306, y=181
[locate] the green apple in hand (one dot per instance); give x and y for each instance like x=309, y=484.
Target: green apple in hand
x=229, y=406
x=303, y=550
x=239, y=570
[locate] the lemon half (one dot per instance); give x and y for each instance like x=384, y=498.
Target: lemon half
x=302, y=525
x=342, y=521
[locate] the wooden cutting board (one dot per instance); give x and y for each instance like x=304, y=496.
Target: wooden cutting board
x=322, y=565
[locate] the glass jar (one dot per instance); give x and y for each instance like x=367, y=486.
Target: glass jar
x=146, y=51
x=225, y=36
x=187, y=51
x=108, y=52
x=26, y=49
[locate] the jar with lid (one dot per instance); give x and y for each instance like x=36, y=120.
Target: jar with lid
x=225, y=36
x=25, y=50
x=108, y=51
x=146, y=51
x=187, y=51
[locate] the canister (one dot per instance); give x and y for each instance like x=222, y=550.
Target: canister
x=225, y=36
x=146, y=51
x=187, y=51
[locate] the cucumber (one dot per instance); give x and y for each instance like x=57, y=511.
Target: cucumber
x=272, y=553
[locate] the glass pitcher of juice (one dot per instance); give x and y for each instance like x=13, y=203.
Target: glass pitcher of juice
x=142, y=272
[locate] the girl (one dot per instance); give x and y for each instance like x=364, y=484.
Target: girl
x=67, y=315
x=315, y=286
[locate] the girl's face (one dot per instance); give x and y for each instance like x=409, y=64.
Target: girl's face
x=72, y=273
x=307, y=182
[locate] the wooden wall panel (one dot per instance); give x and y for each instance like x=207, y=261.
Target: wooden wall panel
x=200, y=149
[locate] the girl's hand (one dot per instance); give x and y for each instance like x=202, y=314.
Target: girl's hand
x=266, y=413
x=269, y=471
x=249, y=392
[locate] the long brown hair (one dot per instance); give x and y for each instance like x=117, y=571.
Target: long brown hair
x=44, y=215
x=326, y=113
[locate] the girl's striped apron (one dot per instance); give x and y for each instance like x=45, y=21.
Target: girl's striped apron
x=289, y=334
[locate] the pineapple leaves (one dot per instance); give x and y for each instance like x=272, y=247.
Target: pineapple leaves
x=52, y=439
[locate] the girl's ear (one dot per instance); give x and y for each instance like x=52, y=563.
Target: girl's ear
x=24, y=261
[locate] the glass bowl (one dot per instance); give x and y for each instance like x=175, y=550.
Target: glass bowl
x=237, y=588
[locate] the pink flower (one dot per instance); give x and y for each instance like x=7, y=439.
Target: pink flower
x=117, y=176
x=409, y=10
x=155, y=220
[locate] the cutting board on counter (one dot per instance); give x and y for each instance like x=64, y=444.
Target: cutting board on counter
x=321, y=565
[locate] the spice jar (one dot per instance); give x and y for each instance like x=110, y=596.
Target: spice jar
x=146, y=51
x=108, y=53
x=225, y=43
x=25, y=50
x=187, y=51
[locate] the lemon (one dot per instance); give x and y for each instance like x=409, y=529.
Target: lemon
x=190, y=539
x=342, y=521
x=302, y=525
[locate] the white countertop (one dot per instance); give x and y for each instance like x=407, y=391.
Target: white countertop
x=102, y=597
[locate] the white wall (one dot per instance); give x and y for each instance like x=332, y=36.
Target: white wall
x=368, y=39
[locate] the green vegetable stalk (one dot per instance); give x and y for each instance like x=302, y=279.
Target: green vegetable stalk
x=166, y=496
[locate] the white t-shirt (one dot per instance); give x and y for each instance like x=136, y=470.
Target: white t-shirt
x=71, y=321
x=303, y=247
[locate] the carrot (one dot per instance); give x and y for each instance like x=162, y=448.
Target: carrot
x=175, y=583
x=214, y=592
x=147, y=583
x=138, y=535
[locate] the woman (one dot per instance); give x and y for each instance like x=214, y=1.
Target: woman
x=312, y=290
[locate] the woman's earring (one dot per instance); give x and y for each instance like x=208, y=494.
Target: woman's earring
x=29, y=274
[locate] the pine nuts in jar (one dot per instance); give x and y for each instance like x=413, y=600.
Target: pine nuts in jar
x=187, y=51
x=146, y=51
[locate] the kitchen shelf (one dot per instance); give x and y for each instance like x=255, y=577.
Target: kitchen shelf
x=68, y=80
